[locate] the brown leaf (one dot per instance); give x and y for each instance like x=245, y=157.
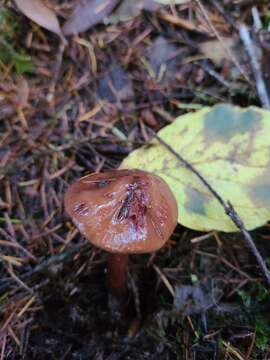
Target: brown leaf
x=38, y=12
x=214, y=50
x=86, y=14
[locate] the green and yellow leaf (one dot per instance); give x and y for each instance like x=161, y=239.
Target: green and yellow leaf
x=230, y=147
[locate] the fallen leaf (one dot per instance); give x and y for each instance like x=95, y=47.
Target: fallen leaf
x=38, y=12
x=115, y=86
x=128, y=9
x=86, y=14
x=163, y=57
x=230, y=148
x=202, y=297
x=195, y=299
x=216, y=51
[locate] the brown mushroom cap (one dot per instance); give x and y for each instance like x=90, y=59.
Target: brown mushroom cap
x=123, y=211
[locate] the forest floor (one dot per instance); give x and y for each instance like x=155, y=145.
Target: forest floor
x=66, y=113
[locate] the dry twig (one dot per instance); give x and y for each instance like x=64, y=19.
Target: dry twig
x=252, y=52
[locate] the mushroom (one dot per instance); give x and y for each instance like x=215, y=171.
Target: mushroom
x=123, y=212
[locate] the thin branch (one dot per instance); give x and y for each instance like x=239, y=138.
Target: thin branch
x=252, y=52
x=256, y=19
x=228, y=208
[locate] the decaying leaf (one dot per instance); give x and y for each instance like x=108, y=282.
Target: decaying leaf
x=41, y=14
x=202, y=297
x=163, y=59
x=216, y=51
x=128, y=9
x=88, y=13
x=196, y=299
x=230, y=147
x=115, y=85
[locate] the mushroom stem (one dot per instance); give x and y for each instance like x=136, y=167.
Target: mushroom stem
x=117, y=273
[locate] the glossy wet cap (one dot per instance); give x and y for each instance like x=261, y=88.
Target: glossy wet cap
x=123, y=211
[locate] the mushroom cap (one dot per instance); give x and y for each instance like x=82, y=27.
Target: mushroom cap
x=123, y=211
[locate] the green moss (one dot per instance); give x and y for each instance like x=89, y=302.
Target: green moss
x=9, y=52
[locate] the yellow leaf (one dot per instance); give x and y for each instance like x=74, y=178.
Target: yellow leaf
x=230, y=147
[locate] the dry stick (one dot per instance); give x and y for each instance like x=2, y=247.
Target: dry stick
x=229, y=210
x=252, y=52
x=256, y=19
